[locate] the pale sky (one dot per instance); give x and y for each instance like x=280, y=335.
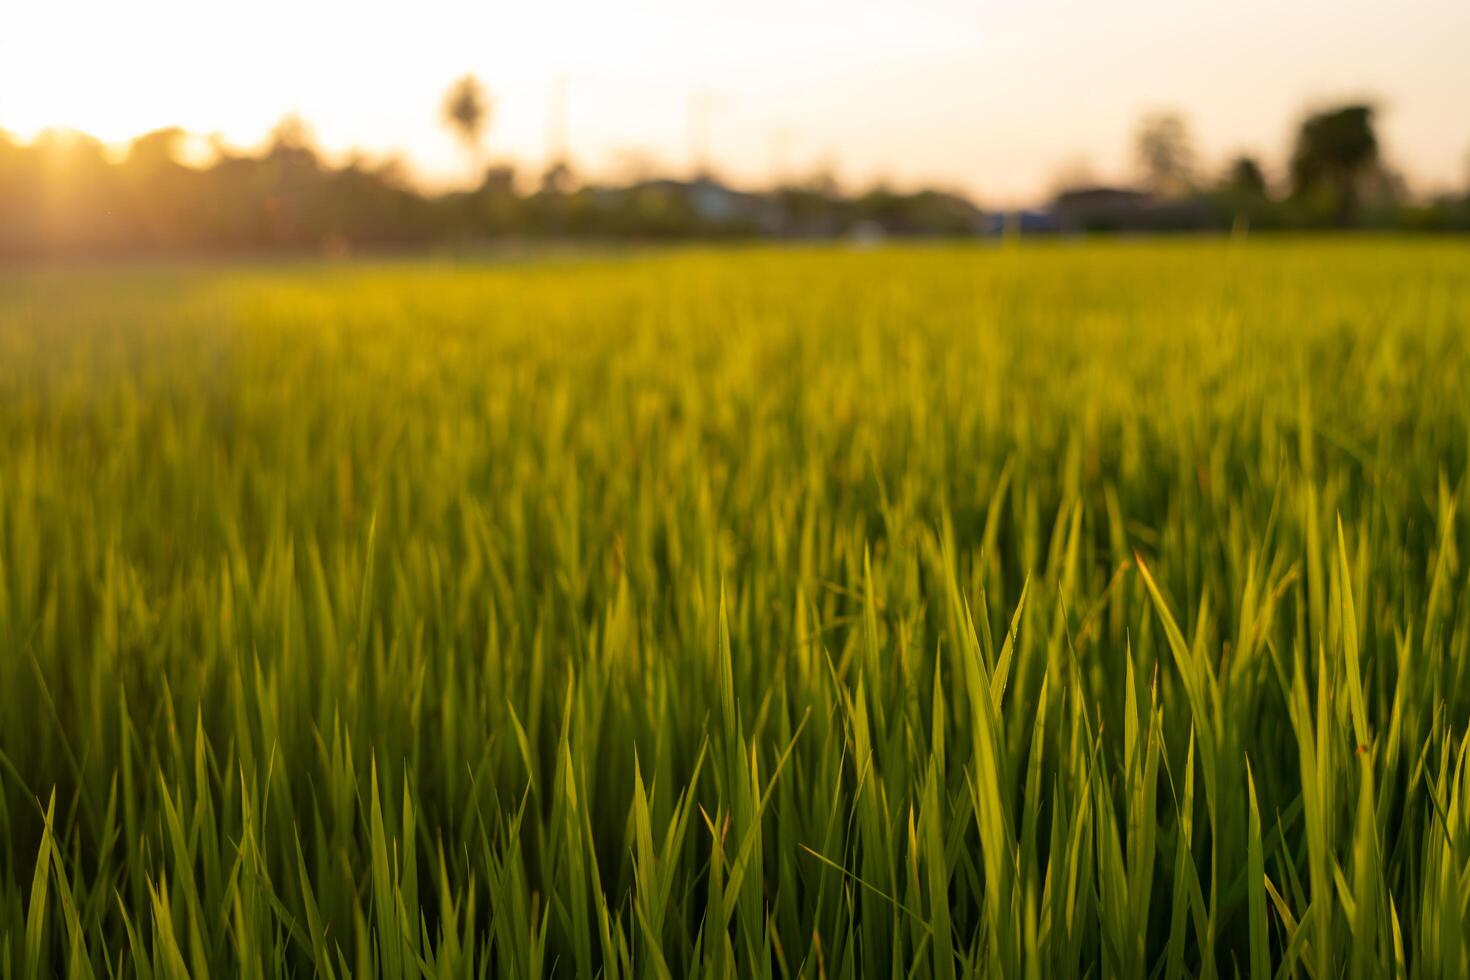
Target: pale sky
x=994, y=97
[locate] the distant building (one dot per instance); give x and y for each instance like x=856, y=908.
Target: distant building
x=713, y=201
x=665, y=206
x=1100, y=209
x=1121, y=209
x=1023, y=222
x=716, y=204
x=866, y=234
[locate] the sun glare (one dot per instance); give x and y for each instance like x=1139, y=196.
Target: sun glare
x=992, y=98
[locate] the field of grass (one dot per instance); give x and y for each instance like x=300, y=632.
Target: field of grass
x=1031, y=612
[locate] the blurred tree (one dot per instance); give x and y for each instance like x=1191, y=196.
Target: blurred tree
x=823, y=180
x=156, y=150
x=1336, y=153
x=156, y=191
x=466, y=110
x=1073, y=174
x=499, y=206
x=292, y=145
x=1165, y=154
x=634, y=165
x=558, y=178
x=1244, y=177
x=1243, y=195
x=62, y=193
x=291, y=132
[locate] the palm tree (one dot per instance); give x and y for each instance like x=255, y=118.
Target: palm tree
x=466, y=110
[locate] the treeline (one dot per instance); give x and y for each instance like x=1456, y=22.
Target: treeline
x=65, y=194
x=1336, y=177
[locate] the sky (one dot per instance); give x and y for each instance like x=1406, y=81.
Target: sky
x=996, y=98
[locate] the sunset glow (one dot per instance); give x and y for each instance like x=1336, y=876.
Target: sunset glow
x=991, y=97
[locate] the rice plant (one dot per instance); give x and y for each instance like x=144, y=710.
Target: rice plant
x=1054, y=611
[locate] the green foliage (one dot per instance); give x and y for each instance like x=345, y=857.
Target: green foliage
x=1029, y=612
x=1335, y=153
x=63, y=194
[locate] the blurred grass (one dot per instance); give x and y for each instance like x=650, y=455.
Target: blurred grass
x=1048, y=611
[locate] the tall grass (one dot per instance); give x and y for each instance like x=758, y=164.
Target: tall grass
x=1047, y=612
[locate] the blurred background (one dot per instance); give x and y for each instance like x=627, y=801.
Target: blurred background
x=169, y=126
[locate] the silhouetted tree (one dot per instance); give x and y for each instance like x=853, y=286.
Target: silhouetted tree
x=1165, y=154
x=466, y=110
x=1244, y=176
x=1242, y=194
x=63, y=193
x=156, y=150
x=557, y=178
x=497, y=206
x=291, y=132
x=1336, y=153
x=158, y=195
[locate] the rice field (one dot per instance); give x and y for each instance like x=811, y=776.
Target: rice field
x=1072, y=610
